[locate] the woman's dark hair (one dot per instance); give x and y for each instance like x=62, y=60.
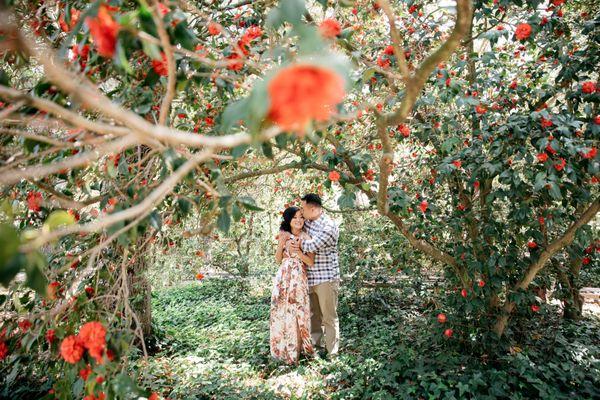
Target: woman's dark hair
x=288, y=216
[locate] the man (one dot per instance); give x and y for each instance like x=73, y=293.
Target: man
x=324, y=276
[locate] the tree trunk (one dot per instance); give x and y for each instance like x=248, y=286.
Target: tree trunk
x=140, y=292
x=572, y=300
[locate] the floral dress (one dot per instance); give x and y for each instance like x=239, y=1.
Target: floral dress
x=290, y=311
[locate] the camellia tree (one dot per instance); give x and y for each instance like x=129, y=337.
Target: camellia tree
x=471, y=126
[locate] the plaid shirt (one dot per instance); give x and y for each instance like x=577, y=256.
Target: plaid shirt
x=324, y=235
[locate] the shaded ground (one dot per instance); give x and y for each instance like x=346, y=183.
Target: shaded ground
x=213, y=343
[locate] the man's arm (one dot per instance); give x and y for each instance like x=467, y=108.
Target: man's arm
x=326, y=237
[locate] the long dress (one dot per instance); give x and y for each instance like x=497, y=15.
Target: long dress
x=290, y=311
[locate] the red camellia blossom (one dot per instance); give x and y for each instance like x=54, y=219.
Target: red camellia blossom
x=550, y=149
x=24, y=325
x=586, y=260
x=93, y=337
x=164, y=10
x=161, y=66
x=597, y=120
x=546, y=123
x=214, y=28
x=75, y=14
x=523, y=31
x=448, y=333
x=3, y=350
x=50, y=335
x=480, y=109
x=463, y=292
x=542, y=157
x=441, y=318
x=423, y=206
x=235, y=62
x=85, y=373
x=301, y=93
x=104, y=30
x=532, y=244
x=481, y=283
x=535, y=308
x=34, y=201
x=389, y=50
x=330, y=28
x=561, y=165
x=457, y=163
x=590, y=154
x=71, y=349
x=383, y=62
x=153, y=396
x=404, y=130
x=199, y=276
x=588, y=87
x=334, y=176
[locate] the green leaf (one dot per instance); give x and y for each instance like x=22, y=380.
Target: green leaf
x=292, y=10
x=146, y=21
x=121, y=58
x=224, y=221
x=35, y=279
x=249, y=203
x=184, y=206
x=239, y=150
x=267, y=149
x=9, y=238
x=346, y=200
x=184, y=37
x=236, y=212
x=233, y=113
x=58, y=219
x=151, y=50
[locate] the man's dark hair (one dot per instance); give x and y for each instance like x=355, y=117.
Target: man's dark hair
x=312, y=198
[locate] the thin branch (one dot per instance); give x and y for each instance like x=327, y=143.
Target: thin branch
x=398, y=47
x=165, y=107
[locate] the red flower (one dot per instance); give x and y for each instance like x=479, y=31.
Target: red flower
x=463, y=293
x=74, y=19
x=541, y=220
x=423, y=206
x=404, y=130
x=153, y=396
x=85, y=373
x=330, y=28
x=93, y=337
x=476, y=184
x=597, y=120
x=586, y=260
x=24, y=325
x=389, y=50
x=480, y=109
x=550, y=149
x=448, y=333
x=34, y=201
x=164, y=10
x=532, y=244
x=561, y=165
x=235, y=62
x=334, y=176
x=457, y=163
x=590, y=154
x=535, y=308
x=161, y=66
x=523, y=31
x=588, y=87
x=441, y=318
x=546, y=123
x=253, y=32
x=383, y=62
x=542, y=157
x=3, y=351
x=71, y=349
x=199, y=276
x=481, y=283
x=214, y=28
x=301, y=93
x=104, y=30
x=448, y=82
x=50, y=335
x=99, y=379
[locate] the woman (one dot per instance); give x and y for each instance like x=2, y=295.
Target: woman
x=290, y=309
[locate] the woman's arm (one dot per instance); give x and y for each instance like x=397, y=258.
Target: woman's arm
x=279, y=252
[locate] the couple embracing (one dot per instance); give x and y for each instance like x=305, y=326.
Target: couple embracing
x=305, y=289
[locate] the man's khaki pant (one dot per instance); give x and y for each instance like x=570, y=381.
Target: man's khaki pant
x=324, y=319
